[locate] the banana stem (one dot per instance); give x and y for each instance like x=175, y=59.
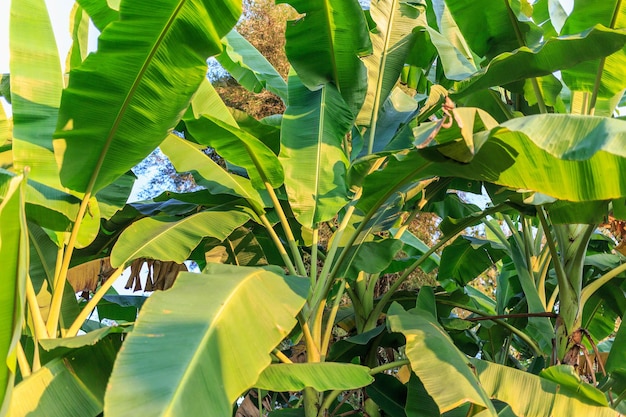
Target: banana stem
x=35, y=312
x=291, y=240
x=22, y=361
x=279, y=245
x=331, y=320
x=52, y=325
x=590, y=289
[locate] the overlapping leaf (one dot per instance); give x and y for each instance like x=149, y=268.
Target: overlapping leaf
x=391, y=41
x=426, y=347
x=204, y=364
x=121, y=103
x=586, y=13
x=14, y=255
x=321, y=376
x=249, y=67
x=540, y=396
x=239, y=148
x=564, y=156
x=67, y=386
x=496, y=21
x=315, y=163
x=151, y=237
x=187, y=157
x=335, y=33
x=552, y=55
x=36, y=85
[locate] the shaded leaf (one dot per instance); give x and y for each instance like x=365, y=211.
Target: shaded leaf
x=186, y=156
x=582, y=77
x=67, y=386
x=391, y=41
x=436, y=361
x=552, y=55
x=389, y=394
x=238, y=147
x=465, y=259
x=36, y=85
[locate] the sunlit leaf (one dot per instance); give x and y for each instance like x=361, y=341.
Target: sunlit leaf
x=125, y=98
x=211, y=369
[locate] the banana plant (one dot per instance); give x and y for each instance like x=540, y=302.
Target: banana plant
x=404, y=104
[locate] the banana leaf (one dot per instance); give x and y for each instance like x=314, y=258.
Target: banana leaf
x=204, y=365
x=125, y=98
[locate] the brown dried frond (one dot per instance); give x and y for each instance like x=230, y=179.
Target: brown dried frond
x=161, y=274
x=87, y=276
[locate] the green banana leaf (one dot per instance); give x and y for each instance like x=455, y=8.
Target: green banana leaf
x=50, y=207
x=576, y=153
x=239, y=148
x=490, y=27
x=36, y=85
x=249, y=67
x=397, y=110
x=389, y=394
x=79, y=27
x=437, y=362
x=170, y=238
x=419, y=403
x=204, y=364
x=552, y=15
x=449, y=29
x=71, y=385
x=243, y=248
x=391, y=41
x=207, y=101
x=113, y=197
x=187, y=157
x=62, y=347
x=544, y=59
x=414, y=248
x=6, y=133
x=534, y=396
x=370, y=257
x=456, y=65
x=617, y=357
x=311, y=153
x=611, y=13
x=101, y=12
x=159, y=70
x=321, y=376
x=335, y=33
x=14, y=255
x=465, y=259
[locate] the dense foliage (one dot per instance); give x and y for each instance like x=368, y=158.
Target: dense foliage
x=389, y=112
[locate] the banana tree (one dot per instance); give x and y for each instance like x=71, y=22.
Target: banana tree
x=314, y=207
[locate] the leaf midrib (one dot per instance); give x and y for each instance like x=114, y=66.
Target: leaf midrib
x=210, y=330
x=131, y=93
